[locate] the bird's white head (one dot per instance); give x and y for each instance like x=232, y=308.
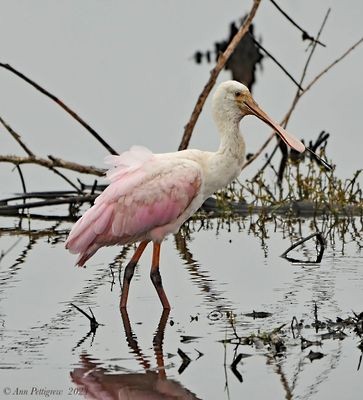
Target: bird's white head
x=228, y=101
x=232, y=101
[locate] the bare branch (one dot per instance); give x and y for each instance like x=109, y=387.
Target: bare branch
x=320, y=74
x=283, y=146
x=276, y=62
x=299, y=93
x=53, y=162
x=258, y=152
x=308, y=87
x=66, y=179
x=61, y=104
x=49, y=202
x=325, y=70
x=17, y=137
x=21, y=177
x=214, y=74
x=305, y=35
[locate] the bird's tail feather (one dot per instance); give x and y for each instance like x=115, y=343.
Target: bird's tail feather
x=86, y=255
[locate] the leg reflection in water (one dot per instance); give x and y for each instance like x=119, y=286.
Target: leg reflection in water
x=97, y=382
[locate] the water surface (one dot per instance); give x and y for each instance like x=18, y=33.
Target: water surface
x=214, y=273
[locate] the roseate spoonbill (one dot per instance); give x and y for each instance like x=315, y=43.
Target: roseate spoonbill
x=151, y=195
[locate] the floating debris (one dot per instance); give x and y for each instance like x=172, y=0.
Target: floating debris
x=315, y=355
x=258, y=314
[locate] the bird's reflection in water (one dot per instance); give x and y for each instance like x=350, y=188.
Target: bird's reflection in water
x=97, y=382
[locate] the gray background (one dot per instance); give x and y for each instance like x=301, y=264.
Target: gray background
x=126, y=68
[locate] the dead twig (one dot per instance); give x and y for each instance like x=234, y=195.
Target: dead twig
x=21, y=177
x=61, y=104
x=51, y=202
x=303, y=75
x=74, y=186
x=39, y=195
x=331, y=65
x=276, y=62
x=214, y=74
x=53, y=162
x=305, y=35
x=17, y=137
x=282, y=145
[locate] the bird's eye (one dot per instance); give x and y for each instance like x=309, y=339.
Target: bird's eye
x=237, y=93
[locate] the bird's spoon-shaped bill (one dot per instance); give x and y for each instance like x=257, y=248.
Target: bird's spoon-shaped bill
x=289, y=139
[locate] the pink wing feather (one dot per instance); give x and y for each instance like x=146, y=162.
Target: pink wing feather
x=146, y=196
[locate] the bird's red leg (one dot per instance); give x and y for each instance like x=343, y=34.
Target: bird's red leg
x=156, y=278
x=129, y=273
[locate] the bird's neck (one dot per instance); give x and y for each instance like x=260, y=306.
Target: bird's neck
x=232, y=145
x=225, y=164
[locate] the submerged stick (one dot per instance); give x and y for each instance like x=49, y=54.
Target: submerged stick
x=319, y=257
x=234, y=367
x=92, y=319
x=185, y=361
